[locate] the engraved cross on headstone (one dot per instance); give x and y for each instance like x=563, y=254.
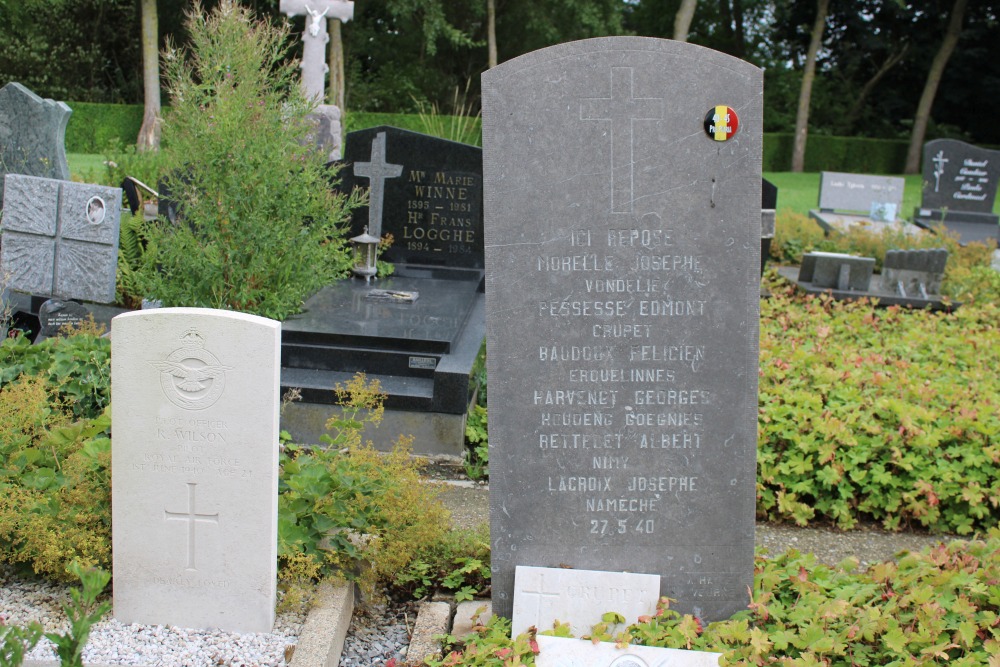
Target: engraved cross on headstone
x=541, y=594
x=377, y=171
x=192, y=518
x=939, y=162
x=315, y=38
x=622, y=109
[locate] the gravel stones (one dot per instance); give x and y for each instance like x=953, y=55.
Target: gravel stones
x=378, y=634
x=114, y=643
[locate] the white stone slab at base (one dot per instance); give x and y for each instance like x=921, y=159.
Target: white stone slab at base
x=562, y=652
x=543, y=595
x=195, y=468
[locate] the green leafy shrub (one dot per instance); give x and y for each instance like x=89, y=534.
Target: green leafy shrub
x=941, y=606
x=458, y=564
x=261, y=227
x=348, y=504
x=884, y=414
x=76, y=367
x=55, y=482
x=83, y=611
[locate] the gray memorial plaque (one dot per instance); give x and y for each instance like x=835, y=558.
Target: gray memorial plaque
x=622, y=202
x=32, y=135
x=61, y=238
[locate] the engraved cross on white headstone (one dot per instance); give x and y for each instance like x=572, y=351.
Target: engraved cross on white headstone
x=315, y=38
x=622, y=109
x=377, y=170
x=192, y=518
x=544, y=599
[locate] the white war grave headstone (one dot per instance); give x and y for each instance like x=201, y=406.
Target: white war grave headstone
x=195, y=461
x=622, y=182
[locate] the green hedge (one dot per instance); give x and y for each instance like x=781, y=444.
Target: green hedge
x=93, y=126
x=847, y=154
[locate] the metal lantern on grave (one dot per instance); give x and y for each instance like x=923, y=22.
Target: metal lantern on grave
x=365, y=255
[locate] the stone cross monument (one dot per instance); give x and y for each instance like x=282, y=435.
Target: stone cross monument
x=315, y=38
x=377, y=170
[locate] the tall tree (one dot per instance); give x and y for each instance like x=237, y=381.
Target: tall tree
x=805, y=92
x=149, y=133
x=682, y=19
x=934, y=75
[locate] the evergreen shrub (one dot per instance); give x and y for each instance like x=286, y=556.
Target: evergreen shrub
x=260, y=227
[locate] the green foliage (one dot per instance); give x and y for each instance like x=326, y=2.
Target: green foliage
x=830, y=153
x=82, y=611
x=463, y=127
x=16, y=641
x=75, y=367
x=94, y=128
x=261, y=228
x=55, y=481
x=131, y=259
x=477, y=441
x=347, y=503
x=878, y=414
x=458, y=564
x=939, y=606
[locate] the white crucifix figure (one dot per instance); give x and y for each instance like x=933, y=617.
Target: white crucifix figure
x=314, y=67
x=192, y=517
x=939, y=161
x=622, y=110
x=377, y=171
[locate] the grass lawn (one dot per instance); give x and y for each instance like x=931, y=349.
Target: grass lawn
x=86, y=167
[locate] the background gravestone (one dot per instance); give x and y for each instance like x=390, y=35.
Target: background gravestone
x=32, y=135
x=433, y=208
x=427, y=194
x=61, y=238
x=960, y=187
x=195, y=460
x=622, y=191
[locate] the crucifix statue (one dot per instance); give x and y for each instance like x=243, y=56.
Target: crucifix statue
x=315, y=38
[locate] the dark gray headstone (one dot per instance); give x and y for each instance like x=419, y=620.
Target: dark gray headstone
x=32, y=135
x=60, y=238
x=56, y=315
x=959, y=176
x=837, y=271
x=426, y=192
x=960, y=187
x=623, y=197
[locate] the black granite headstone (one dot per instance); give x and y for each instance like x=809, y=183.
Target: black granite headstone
x=426, y=192
x=623, y=197
x=57, y=315
x=960, y=187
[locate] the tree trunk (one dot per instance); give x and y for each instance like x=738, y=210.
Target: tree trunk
x=491, y=32
x=682, y=19
x=805, y=93
x=149, y=133
x=934, y=75
x=335, y=94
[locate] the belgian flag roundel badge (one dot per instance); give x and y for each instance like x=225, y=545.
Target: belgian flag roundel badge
x=721, y=123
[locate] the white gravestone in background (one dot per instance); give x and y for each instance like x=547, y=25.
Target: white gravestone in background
x=195, y=461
